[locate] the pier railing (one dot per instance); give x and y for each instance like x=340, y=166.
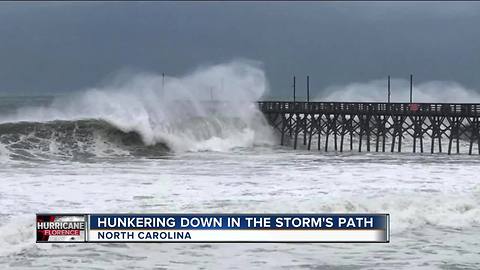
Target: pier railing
x=427, y=109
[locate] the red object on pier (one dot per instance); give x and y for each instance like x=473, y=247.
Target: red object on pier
x=414, y=107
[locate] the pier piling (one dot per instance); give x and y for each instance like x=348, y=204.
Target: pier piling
x=386, y=123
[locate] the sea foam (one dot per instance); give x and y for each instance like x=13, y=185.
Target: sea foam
x=211, y=108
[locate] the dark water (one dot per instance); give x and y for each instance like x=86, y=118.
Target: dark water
x=72, y=139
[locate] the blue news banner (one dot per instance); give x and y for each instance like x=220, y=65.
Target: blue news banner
x=238, y=228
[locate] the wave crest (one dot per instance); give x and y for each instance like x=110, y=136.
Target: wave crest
x=72, y=139
x=213, y=108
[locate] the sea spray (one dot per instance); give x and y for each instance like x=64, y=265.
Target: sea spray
x=212, y=108
x=376, y=91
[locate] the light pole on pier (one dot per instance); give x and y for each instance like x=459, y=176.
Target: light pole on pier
x=411, y=88
x=308, y=89
x=388, y=86
x=163, y=80
x=162, y=93
x=294, y=88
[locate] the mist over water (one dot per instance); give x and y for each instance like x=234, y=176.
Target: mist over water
x=376, y=91
x=211, y=108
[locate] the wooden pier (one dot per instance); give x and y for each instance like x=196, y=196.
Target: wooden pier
x=378, y=127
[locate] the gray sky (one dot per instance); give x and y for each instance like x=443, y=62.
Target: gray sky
x=57, y=47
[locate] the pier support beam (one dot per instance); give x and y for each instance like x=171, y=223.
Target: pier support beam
x=387, y=124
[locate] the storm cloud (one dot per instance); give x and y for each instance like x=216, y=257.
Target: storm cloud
x=58, y=47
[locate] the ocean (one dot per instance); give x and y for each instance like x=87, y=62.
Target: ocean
x=145, y=143
x=218, y=164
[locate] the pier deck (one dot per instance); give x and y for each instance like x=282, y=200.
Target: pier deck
x=376, y=126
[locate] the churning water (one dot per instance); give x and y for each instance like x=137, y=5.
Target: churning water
x=118, y=151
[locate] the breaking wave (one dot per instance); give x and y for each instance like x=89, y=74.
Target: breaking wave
x=94, y=138
x=212, y=108
x=72, y=139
